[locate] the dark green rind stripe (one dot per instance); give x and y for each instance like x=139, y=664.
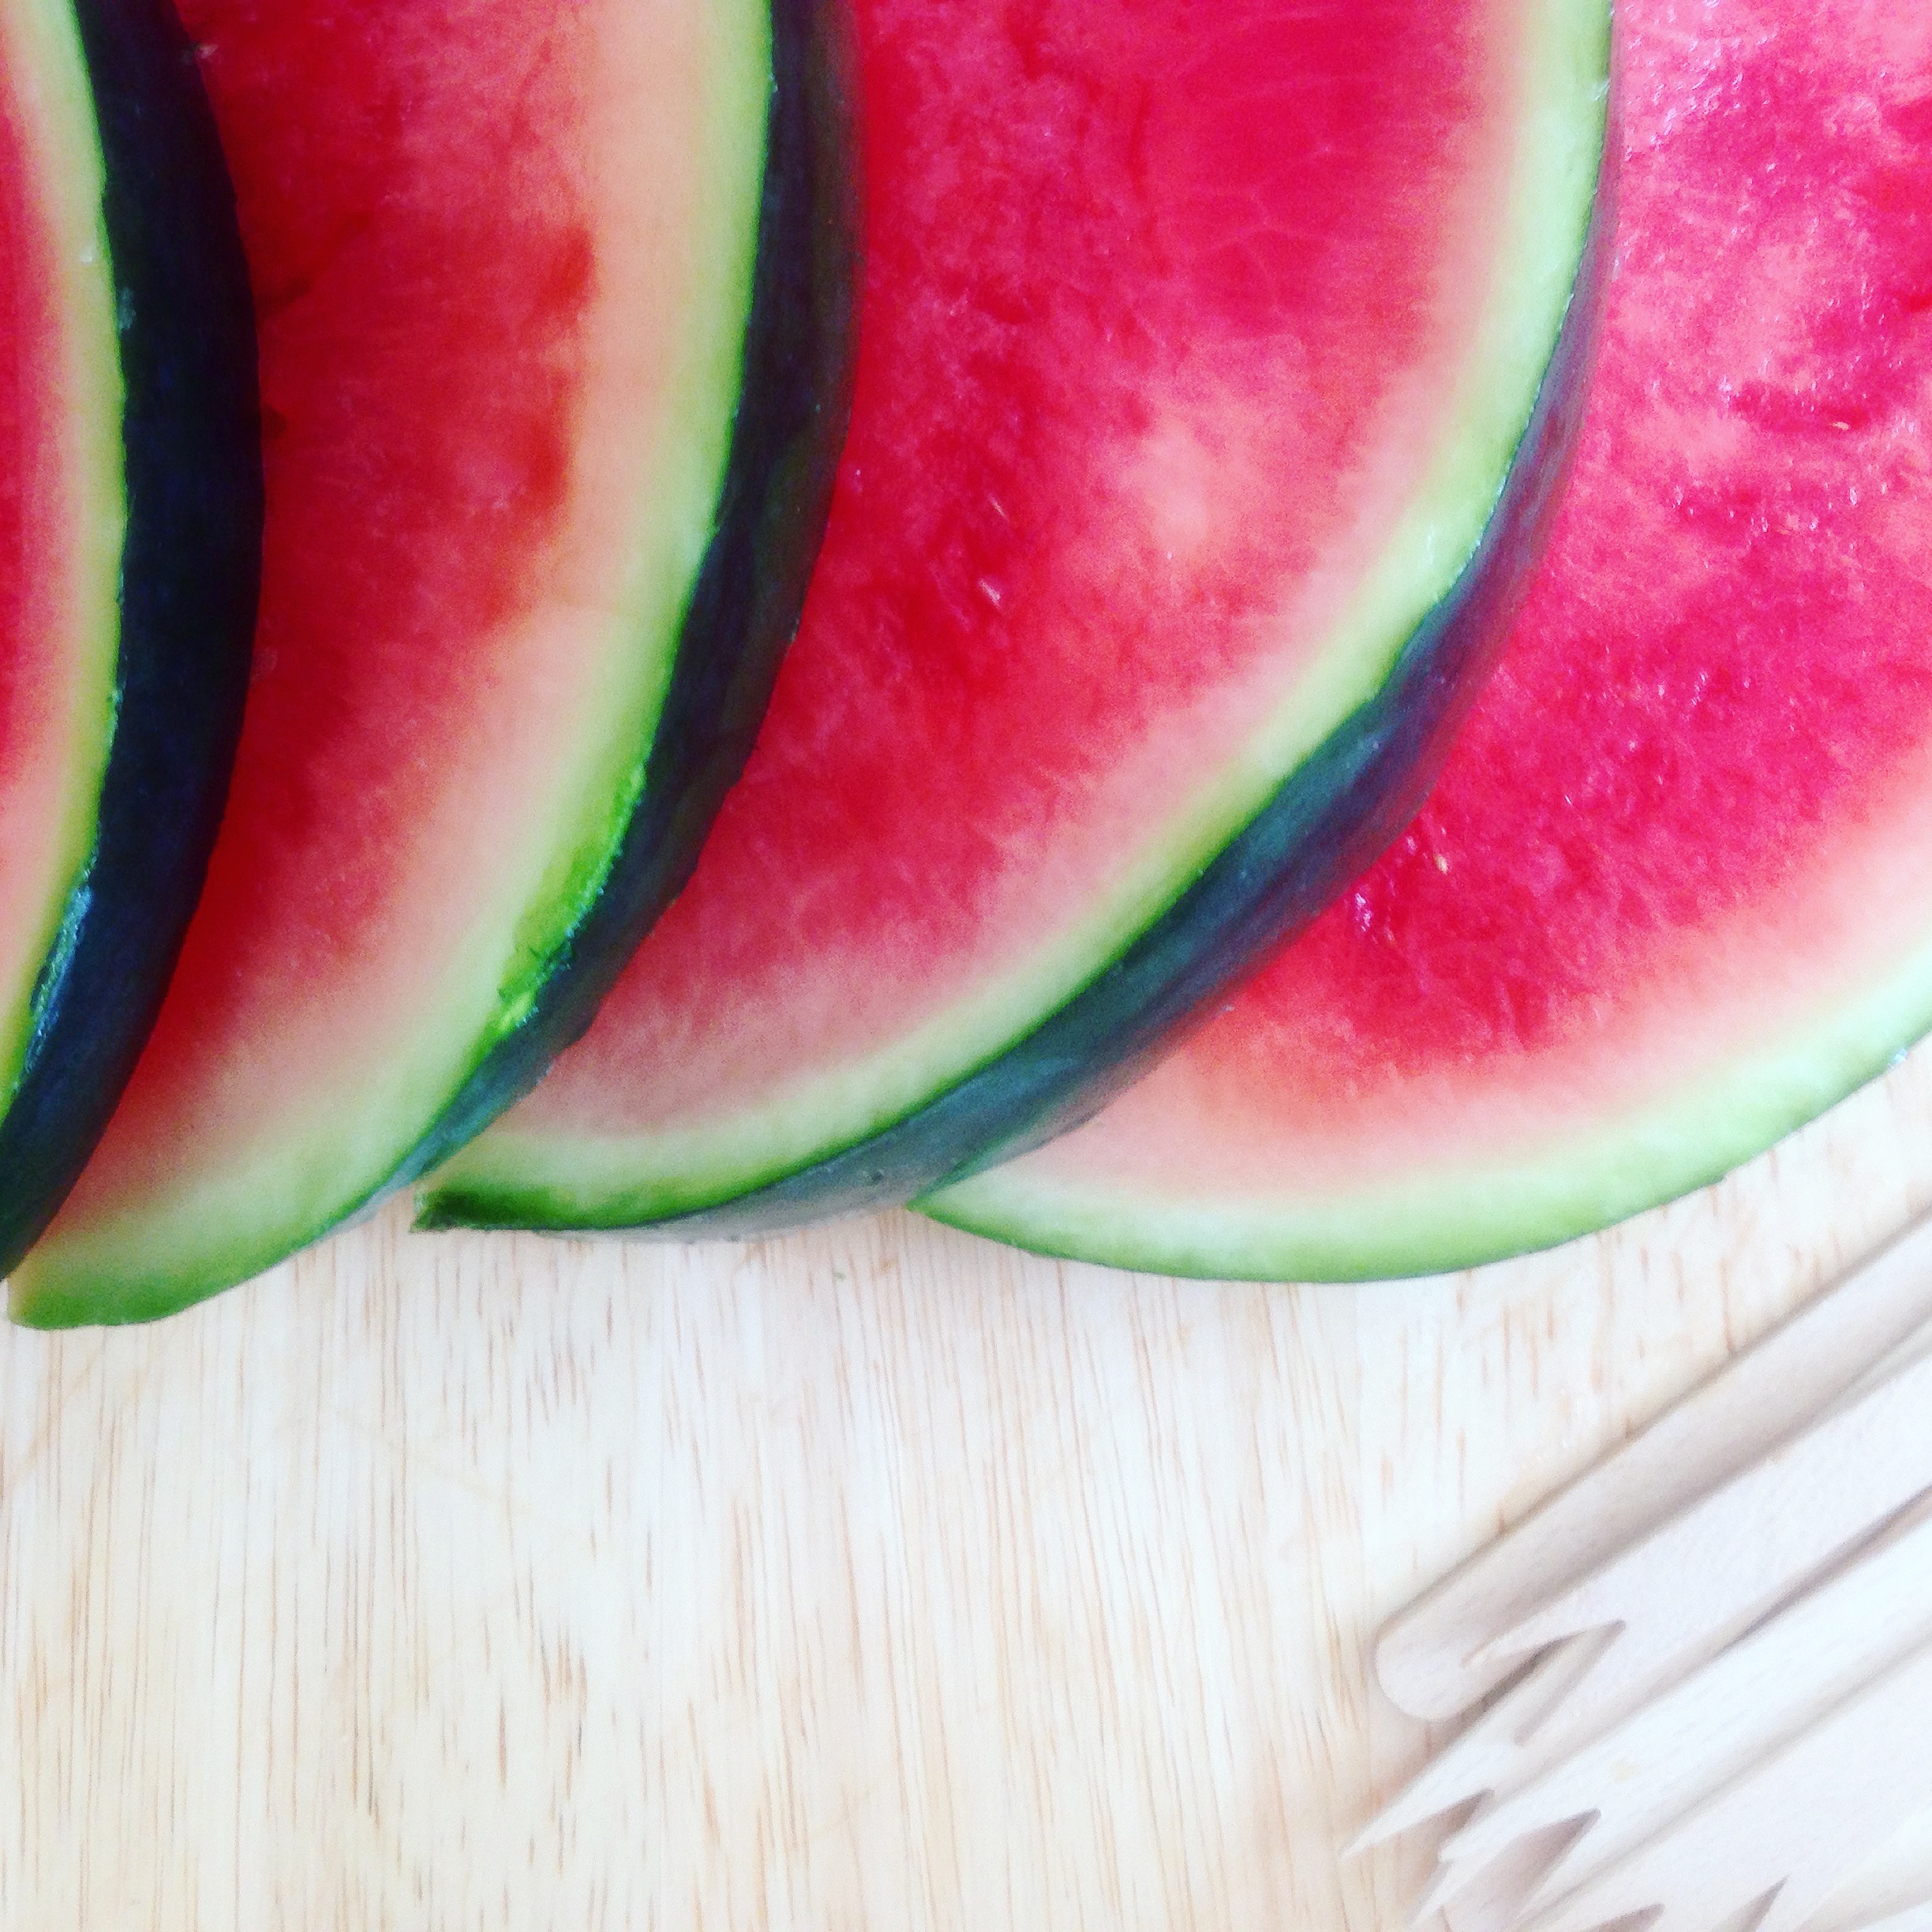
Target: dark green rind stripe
x=190, y=573
x=787, y=438
x=1326, y=824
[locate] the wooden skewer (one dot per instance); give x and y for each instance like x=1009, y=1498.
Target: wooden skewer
x=1892, y=1363
x=1669, y=1601
x=1487, y=1757
x=1494, y=1901
x=1712, y=1570
x=1673, y=1753
x=1442, y=1656
x=1914, y=1919
x=1892, y=1889
x=1795, y=1822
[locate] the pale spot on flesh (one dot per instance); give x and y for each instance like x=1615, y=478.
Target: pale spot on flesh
x=1206, y=447
x=1172, y=474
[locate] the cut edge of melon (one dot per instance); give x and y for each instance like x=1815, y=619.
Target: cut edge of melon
x=1469, y=1216
x=1474, y=1213
x=51, y=94
x=511, y=1179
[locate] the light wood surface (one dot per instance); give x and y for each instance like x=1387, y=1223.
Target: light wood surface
x=873, y=1579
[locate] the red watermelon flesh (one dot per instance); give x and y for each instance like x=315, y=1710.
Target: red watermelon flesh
x=497, y=249
x=1673, y=894
x=1167, y=310
x=60, y=509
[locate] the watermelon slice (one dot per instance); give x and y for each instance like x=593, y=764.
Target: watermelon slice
x=552, y=333
x=1195, y=345
x=1674, y=894
x=130, y=532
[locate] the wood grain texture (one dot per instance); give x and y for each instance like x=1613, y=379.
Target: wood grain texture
x=872, y=1578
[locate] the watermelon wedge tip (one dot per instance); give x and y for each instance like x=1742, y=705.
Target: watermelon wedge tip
x=1197, y=347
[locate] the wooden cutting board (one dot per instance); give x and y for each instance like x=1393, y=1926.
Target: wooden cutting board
x=873, y=1579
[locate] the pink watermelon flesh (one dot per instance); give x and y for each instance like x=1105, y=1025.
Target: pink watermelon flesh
x=472, y=232
x=31, y=527
x=1674, y=892
x=1163, y=310
x=57, y=404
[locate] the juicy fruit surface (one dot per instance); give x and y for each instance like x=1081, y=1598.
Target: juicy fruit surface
x=1685, y=830
x=1731, y=647
x=1152, y=346
x=59, y=497
x=478, y=348
x=421, y=314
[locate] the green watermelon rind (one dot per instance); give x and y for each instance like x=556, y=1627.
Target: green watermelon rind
x=1461, y=1218
x=156, y=293
x=708, y=648
x=1258, y=856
